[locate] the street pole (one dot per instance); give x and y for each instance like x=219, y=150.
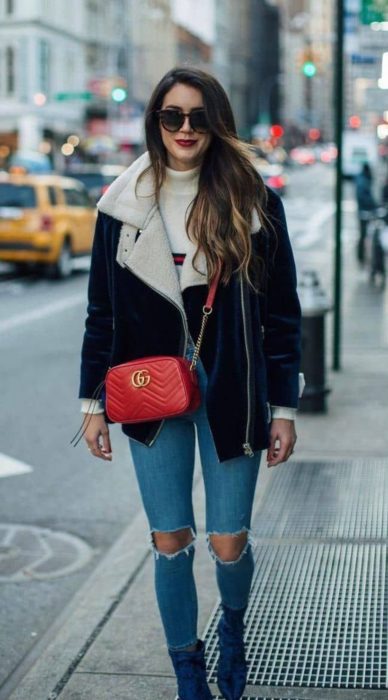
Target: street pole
x=339, y=118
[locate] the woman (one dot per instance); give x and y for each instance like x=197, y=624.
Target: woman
x=192, y=202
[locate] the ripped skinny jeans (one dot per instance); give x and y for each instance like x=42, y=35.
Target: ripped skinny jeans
x=165, y=476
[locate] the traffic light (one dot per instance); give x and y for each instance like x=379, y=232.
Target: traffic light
x=309, y=69
x=314, y=134
x=354, y=121
x=118, y=94
x=276, y=131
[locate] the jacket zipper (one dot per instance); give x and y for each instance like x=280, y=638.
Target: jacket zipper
x=185, y=328
x=246, y=445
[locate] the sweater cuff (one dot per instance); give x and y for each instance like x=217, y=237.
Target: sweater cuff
x=90, y=406
x=283, y=412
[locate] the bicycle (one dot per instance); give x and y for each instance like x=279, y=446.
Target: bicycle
x=376, y=245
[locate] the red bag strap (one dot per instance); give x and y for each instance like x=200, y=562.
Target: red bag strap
x=213, y=289
x=206, y=311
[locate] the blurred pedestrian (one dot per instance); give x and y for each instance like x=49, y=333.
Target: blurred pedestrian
x=195, y=199
x=366, y=204
x=384, y=197
x=384, y=193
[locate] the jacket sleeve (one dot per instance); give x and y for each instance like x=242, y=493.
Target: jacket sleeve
x=98, y=336
x=282, y=325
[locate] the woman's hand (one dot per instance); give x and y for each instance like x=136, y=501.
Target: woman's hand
x=283, y=439
x=97, y=437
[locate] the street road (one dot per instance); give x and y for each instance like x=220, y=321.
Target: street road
x=45, y=483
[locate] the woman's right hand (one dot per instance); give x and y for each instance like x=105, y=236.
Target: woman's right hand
x=97, y=437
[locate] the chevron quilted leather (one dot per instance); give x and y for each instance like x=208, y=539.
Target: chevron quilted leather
x=151, y=388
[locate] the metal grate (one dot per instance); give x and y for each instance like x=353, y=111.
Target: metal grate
x=326, y=500
x=318, y=611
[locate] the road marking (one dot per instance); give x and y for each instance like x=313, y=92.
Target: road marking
x=305, y=236
x=12, y=467
x=45, y=311
x=311, y=233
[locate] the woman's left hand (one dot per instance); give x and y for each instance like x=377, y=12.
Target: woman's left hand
x=283, y=439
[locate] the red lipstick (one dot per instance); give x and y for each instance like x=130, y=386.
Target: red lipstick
x=185, y=143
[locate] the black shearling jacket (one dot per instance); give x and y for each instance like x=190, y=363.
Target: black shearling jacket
x=251, y=348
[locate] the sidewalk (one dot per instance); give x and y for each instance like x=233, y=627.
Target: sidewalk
x=108, y=644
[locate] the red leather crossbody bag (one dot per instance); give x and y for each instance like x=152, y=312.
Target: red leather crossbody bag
x=154, y=388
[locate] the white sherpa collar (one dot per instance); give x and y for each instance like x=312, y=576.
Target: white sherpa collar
x=149, y=255
x=124, y=201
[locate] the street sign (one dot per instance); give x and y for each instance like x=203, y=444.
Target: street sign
x=65, y=96
x=364, y=59
x=374, y=11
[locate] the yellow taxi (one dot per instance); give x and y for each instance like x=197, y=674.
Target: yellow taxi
x=45, y=219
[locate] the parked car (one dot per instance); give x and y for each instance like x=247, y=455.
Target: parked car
x=302, y=155
x=273, y=175
x=328, y=153
x=44, y=219
x=96, y=178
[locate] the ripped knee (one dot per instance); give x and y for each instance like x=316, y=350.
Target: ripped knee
x=172, y=543
x=228, y=547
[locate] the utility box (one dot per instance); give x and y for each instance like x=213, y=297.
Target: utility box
x=315, y=306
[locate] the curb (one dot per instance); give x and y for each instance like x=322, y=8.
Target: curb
x=53, y=660
x=46, y=670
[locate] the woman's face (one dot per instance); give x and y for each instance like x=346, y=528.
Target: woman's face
x=186, y=147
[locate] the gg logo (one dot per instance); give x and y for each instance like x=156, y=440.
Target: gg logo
x=140, y=378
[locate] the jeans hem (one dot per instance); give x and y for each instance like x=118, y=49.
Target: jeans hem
x=183, y=646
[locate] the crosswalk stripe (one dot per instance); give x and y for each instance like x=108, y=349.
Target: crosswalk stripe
x=12, y=467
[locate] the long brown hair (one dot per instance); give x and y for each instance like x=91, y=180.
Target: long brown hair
x=229, y=189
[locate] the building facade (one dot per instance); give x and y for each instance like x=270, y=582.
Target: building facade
x=50, y=53
x=308, y=35
x=265, y=70
x=191, y=50
x=152, y=46
x=246, y=59
x=365, y=45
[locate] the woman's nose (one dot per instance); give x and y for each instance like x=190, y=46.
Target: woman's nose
x=186, y=126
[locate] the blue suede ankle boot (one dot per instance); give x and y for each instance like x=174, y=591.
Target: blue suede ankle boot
x=190, y=670
x=232, y=666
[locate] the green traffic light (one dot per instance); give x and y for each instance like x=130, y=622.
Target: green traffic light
x=309, y=69
x=119, y=94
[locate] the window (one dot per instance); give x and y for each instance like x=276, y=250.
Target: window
x=10, y=70
x=52, y=195
x=92, y=56
x=92, y=10
x=76, y=198
x=20, y=196
x=71, y=79
x=44, y=66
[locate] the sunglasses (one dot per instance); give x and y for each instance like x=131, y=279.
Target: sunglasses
x=173, y=120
